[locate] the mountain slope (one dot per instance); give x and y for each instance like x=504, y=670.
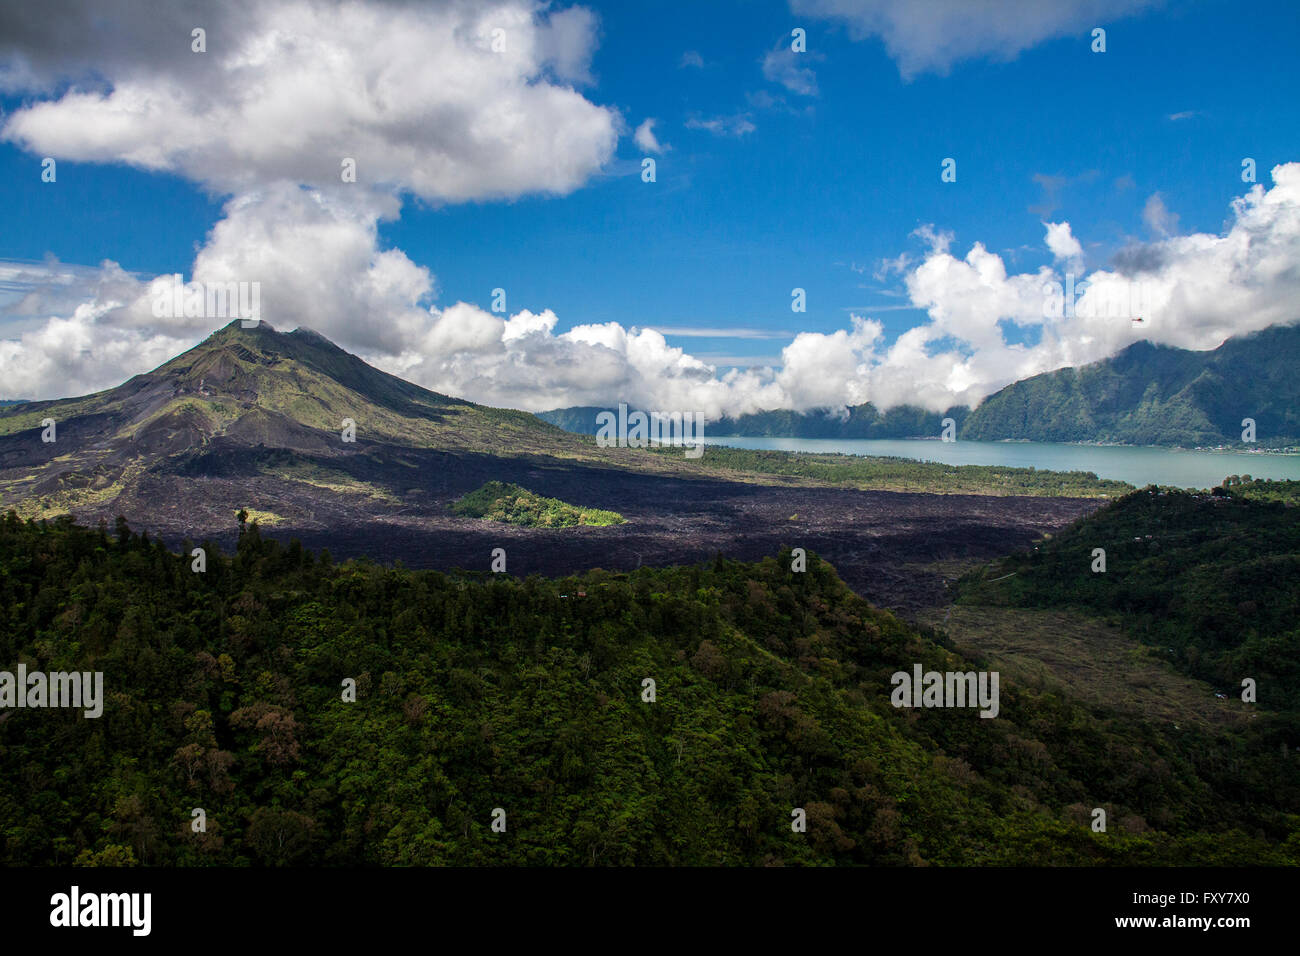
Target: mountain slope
x=296, y=379
x=1145, y=395
x=1157, y=395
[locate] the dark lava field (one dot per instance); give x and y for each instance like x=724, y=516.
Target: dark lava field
x=876, y=539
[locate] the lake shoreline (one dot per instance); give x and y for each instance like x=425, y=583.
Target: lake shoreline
x=1138, y=465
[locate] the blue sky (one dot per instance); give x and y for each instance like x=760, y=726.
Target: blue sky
x=822, y=188
x=841, y=179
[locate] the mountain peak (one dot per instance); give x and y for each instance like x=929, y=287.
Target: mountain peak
x=307, y=332
x=239, y=325
x=291, y=371
x=264, y=337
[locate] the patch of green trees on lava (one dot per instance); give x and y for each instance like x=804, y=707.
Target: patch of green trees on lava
x=512, y=504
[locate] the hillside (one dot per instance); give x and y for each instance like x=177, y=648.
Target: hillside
x=256, y=386
x=1209, y=582
x=1158, y=395
x=257, y=408
x=227, y=691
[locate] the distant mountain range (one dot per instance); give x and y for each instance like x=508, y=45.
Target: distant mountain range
x=861, y=421
x=1146, y=395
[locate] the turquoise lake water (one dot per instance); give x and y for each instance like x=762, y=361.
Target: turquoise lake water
x=1137, y=466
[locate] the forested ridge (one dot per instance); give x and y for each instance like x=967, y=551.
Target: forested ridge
x=478, y=691
x=1158, y=395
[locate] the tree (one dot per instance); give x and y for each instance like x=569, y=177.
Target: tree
x=280, y=837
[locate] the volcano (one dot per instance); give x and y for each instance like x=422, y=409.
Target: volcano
x=287, y=425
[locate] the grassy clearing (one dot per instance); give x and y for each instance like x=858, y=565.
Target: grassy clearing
x=330, y=479
x=1089, y=659
x=264, y=519
x=1207, y=581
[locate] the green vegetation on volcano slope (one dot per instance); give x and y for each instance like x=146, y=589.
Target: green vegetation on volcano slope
x=509, y=503
x=223, y=691
x=1263, y=489
x=904, y=474
x=1212, y=583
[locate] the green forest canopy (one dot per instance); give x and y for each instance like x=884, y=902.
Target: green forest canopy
x=480, y=691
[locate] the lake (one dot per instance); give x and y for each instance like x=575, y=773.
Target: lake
x=1137, y=465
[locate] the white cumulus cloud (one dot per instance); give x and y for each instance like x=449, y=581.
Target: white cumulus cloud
x=783, y=65
x=931, y=35
x=646, y=139
x=415, y=94
x=1193, y=291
